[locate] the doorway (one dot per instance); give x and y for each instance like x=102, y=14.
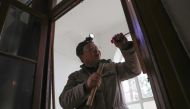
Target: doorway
x=103, y=21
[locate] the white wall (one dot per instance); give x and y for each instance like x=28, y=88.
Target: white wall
x=63, y=67
x=108, y=49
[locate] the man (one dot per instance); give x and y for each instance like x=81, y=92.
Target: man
x=108, y=94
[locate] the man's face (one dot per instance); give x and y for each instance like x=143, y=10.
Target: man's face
x=91, y=54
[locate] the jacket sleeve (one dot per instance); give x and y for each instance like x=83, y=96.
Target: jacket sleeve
x=131, y=67
x=73, y=94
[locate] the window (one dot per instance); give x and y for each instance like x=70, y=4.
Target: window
x=138, y=93
x=20, y=40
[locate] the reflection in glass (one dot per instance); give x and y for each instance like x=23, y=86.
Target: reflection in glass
x=145, y=86
x=26, y=2
x=135, y=106
x=58, y=1
x=130, y=91
x=16, y=84
x=149, y=105
x=20, y=34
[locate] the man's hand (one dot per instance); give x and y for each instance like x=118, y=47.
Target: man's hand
x=119, y=40
x=93, y=81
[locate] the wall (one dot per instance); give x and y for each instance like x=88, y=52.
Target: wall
x=105, y=37
x=63, y=67
x=178, y=11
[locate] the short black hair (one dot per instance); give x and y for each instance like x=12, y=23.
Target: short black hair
x=80, y=46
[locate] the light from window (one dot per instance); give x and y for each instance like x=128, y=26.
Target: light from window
x=138, y=93
x=145, y=86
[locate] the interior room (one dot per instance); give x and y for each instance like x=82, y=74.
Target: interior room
x=38, y=40
x=93, y=17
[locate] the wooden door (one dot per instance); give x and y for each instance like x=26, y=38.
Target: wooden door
x=161, y=53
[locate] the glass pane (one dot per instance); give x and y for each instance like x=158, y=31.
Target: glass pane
x=58, y=1
x=16, y=84
x=145, y=86
x=26, y=2
x=130, y=90
x=20, y=34
x=149, y=105
x=135, y=106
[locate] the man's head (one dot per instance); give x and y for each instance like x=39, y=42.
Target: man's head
x=88, y=52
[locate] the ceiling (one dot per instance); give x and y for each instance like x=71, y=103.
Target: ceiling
x=103, y=18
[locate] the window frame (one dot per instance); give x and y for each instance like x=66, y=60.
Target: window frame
x=156, y=27
x=40, y=73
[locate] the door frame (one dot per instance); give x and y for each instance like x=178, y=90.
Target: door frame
x=169, y=66
x=155, y=51
x=146, y=62
x=145, y=54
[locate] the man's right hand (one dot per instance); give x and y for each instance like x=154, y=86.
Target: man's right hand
x=93, y=81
